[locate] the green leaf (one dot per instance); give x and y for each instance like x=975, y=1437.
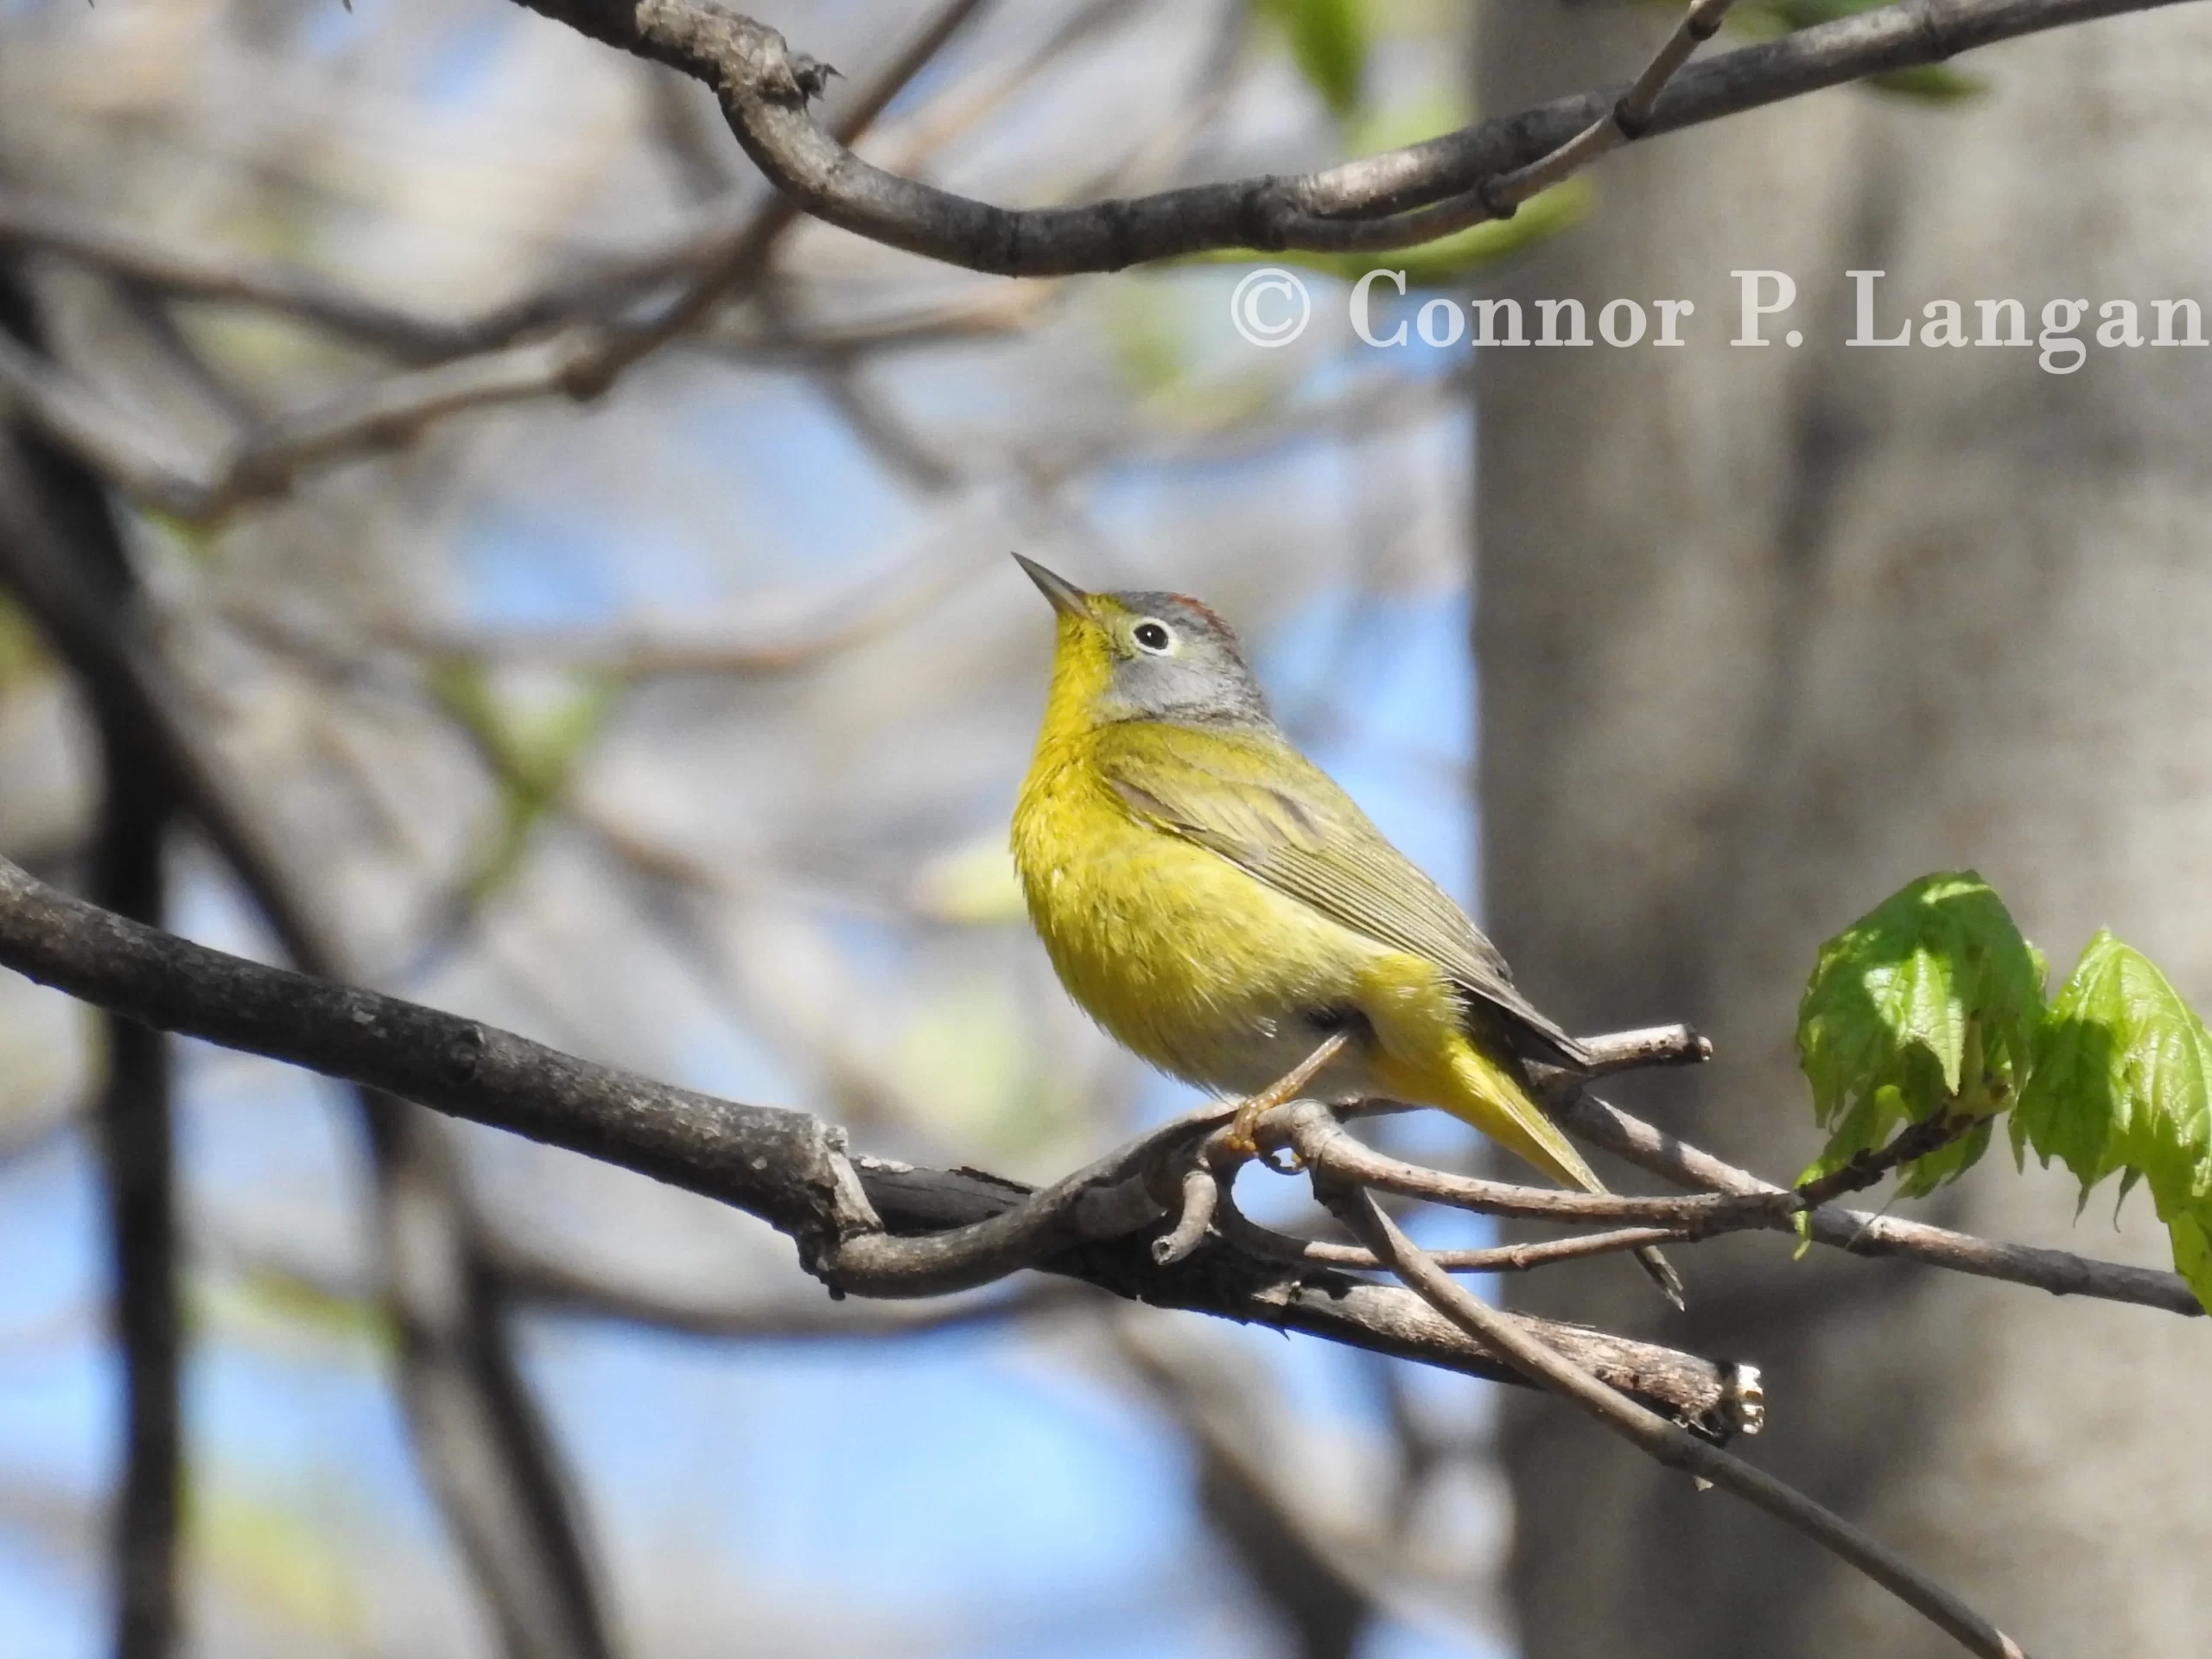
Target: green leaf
x=1927, y=1006
x=1946, y=1163
x=2123, y=1082
x=2123, y=1078
x=2191, y=1232
x=1328, y=41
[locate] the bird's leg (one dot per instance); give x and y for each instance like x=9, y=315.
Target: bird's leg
x=1243, y=1138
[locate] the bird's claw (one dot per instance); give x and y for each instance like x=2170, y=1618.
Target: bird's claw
x=1243, y=1140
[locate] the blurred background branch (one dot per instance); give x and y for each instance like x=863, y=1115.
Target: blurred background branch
x=48, y=493
x=478, y=1438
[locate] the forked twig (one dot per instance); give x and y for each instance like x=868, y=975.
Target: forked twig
x=1630, y=118
x=1500, y=195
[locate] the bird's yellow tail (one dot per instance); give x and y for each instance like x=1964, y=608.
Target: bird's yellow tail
x=1492, y=1096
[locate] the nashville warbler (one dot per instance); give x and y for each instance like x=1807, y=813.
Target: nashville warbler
x=1221, y=908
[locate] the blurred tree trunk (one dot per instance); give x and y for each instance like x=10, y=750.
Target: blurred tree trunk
x=1765, y=633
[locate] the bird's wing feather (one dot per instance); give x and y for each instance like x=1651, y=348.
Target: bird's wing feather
x=1262, y=806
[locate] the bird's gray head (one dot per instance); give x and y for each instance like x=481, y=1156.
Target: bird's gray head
x=1164, y=656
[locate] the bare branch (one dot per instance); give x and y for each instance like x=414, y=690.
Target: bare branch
x=786, y=1166
x=1652, y=1046
x=1247, y=1234
x=1665, y=1441
x=1393, y=200
x=192, y=273
x=114, y=447
x=1628, y=119
x=1370, y=204
x=726, y=256
x=1329, y=1145
x=480, y=1442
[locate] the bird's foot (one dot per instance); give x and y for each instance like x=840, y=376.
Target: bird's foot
x=1243, y=1140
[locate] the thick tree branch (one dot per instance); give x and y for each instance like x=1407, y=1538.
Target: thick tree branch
x=1366, y=205
x=785, y=1166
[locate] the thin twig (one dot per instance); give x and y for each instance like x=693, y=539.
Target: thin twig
x=1241, y=1230
x=1334, y=1148
x=1628, y=119
x=1862, y=1233
x=196, y=273
x=1869, y=1166
x=1500, y=196
x=1202, y=1198
x=1646, y=1047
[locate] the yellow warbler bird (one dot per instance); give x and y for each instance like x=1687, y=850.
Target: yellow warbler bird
x=1221, y=908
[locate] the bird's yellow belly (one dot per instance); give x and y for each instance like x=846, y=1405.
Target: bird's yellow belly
x=1158, y=939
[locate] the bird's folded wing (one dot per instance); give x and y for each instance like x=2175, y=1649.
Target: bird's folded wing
x=1273, y=813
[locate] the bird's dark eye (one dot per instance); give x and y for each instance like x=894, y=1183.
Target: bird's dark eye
x=1152, y=636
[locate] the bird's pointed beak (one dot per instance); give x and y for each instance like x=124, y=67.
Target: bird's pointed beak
x=1067, y=599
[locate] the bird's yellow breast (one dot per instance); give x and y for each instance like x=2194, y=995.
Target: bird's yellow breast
x=1200, y=968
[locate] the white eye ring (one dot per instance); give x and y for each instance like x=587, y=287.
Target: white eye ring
x=1152, y=636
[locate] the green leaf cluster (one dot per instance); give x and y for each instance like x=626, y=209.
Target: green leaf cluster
x=2123, y=1084
x=1925, y=1006
x=1932, y=1006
